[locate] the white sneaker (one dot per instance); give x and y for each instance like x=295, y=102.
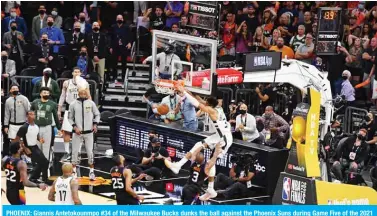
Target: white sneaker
x=210, y=193
x=175, y=168
x=92, y=177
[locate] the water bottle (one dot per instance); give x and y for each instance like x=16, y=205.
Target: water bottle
x=205, y=83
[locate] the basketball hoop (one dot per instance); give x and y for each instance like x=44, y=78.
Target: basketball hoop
x=164, y=86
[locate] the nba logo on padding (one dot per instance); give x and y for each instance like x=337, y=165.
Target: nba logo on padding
x=286, y=188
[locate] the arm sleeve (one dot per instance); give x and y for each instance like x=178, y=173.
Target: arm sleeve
x=251, y=124
x=6, y=114
x=55, y=115
x=22, y=132
x=71, y=115
x=96, y=114
x=61, y=37
x=12, y=72
x=284, y=126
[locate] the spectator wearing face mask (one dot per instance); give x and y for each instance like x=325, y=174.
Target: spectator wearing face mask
x=55, y=35
x=14, y=41
x=85, y=27
x=21, y=24
x=347, y=91
x=371, y=138
x=47, y=81
x=39, y=22
x=75, y=41
x=286, y=51
x=45, y=55
x=58, y=20
x=122, y=40
x=173, y=102
x=246, y=124
x=8, y=68
x=84, y=62
x=351, y=155
x=96, y=42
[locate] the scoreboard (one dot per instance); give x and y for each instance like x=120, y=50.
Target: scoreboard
x=329, y=22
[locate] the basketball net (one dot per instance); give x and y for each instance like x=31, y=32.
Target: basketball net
x=164, y=86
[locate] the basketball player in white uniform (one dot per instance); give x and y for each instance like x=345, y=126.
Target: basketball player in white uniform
x=69, y=94
x=218, y=142
x=65, y=189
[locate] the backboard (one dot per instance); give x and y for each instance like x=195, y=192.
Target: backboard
x=185, y=57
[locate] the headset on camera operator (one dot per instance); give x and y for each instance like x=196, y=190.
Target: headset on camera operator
x=238, y=184
x=351, y=154
x=152, y=163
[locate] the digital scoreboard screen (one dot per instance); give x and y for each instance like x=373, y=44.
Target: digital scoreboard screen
x=131, y=136
x=328, y=31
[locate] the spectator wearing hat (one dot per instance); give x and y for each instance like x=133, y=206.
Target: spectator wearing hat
x=286, y=51
x=347, y=91
x=353, y=24
x=47, y=81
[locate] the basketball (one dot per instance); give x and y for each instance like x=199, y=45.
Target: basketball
x=163, y=109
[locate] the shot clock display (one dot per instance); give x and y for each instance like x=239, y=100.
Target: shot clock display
x=328, y=31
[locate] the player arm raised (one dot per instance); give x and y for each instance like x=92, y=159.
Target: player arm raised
x=75, y=192
x=51, y=193
x=195, y=102
x=128, y=176
x=23, y=174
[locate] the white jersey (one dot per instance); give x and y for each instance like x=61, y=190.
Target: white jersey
x=63, y=193
x=221, y=125
x=73, y=89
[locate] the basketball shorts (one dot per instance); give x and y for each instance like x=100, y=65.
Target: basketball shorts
x=126, y=200
x=66, y=125
x=13, y=130
x=225, y=142
x=16, y=197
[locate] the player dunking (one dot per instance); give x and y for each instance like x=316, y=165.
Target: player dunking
x=121, y=178
x=16, y=173
x=69, y=94
x=65, y=189
x=218, y=142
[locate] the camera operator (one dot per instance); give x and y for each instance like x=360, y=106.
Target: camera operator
x=351, y=154
x=246, y=124
x=152, y=163
x=266, y=95
x=166, y=59
x=238, y=184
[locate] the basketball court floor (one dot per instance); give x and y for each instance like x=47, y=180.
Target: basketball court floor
x=156, y=192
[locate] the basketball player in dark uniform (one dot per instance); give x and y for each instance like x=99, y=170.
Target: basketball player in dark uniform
x=194, y=185
x=16, y=173
x=121, y=178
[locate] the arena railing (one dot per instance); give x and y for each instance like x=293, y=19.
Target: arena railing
x=353, y=119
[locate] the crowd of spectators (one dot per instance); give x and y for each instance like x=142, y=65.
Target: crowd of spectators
x=95, y=36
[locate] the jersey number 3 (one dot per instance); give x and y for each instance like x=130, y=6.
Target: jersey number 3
x=117, y=183
x=195, y=176
x=10, y=175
